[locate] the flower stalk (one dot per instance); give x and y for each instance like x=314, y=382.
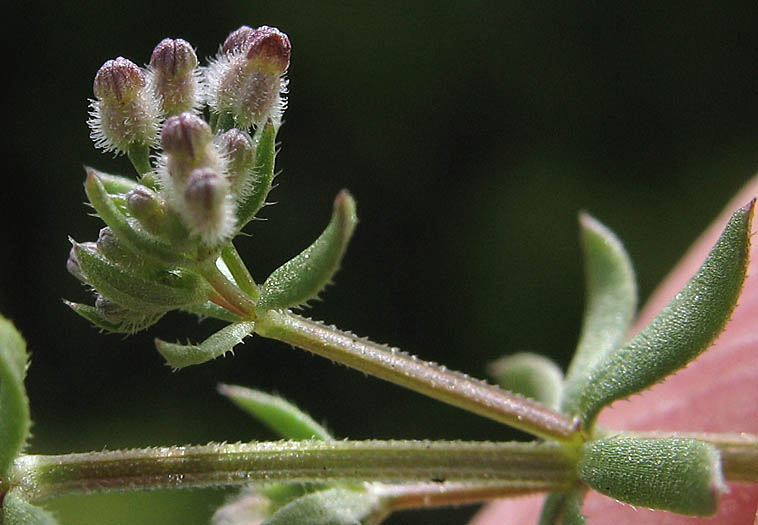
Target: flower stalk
x=430, y=379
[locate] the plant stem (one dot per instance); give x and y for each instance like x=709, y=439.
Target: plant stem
x=427, y=378
x=230, y=296
x=239, y=271
x=522, y=466
x=739, y=452
x=425, y=495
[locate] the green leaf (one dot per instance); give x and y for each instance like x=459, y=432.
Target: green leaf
x=530, y=375
x=16, y=511
x=611, y=301
x=210, y=309
x=180, y=356
x=281, y=416
x=125, y=326
x=304, y=276
x=682, y=330
x=336, y=506
x=14, y=405
x=115, y=183
x=263, y=176
x=174, y=289
x=675, y=474
x=136, y=239
x=563, y=508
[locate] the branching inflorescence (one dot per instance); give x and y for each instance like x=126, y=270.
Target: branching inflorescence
x=168, y=245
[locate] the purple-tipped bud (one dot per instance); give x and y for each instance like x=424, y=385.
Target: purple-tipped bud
x=245, y=80
x=205, y=190
x=186, y=136
x=238, y=40
x=119, y=80
x=207, y=208
x=72, y=264
x=125, y=115
x=174, y=78
x=145, y=205
x=271, y=47
x=174, y=57
x=109, y=310
x=239, y=150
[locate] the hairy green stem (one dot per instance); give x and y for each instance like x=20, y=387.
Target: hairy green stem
x=426, y=378
x=425, y=495
x=230, y=296
x=239, y=271
x=523, y=466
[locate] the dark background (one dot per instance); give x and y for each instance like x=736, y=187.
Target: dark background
x=470, y=136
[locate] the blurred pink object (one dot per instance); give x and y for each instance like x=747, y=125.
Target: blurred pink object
x=716, y=393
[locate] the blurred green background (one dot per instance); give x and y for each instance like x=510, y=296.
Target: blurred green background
x=471, y=134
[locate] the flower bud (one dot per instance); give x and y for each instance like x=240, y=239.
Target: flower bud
x=271, y=48
x=246, y=80
x=238, y=40
x=118, y=80
x=188, y=145
x=185, y=136
x=125, y=114
x=207, y=207
x=238, y=149
x=145, y=205
x=72, y=264
x=174, y=76
x=110, y=310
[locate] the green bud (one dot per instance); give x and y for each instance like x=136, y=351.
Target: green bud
x=135, y=238
x=167, y=291
x=145, y=206
x=174, y=76
x=132, y=322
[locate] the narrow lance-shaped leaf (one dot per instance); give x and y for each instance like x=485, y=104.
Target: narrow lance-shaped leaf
x=14, y=405
x=530, y=375
x=180, y=356
x=675, y=474
x=16, y=511
x=302, y=278
x=336, y=506
x=263, y=176
x=137, y=239
x=115, y=183
x=124, y=326
x=212, y=310
x=682, y=331
x=611, y=301
x=280, y=415
x=563, y=508
x=134, y=291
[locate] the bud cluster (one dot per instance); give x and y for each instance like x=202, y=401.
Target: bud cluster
x=199, y=183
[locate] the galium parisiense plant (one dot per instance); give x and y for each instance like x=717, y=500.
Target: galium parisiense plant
x=168, y=244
